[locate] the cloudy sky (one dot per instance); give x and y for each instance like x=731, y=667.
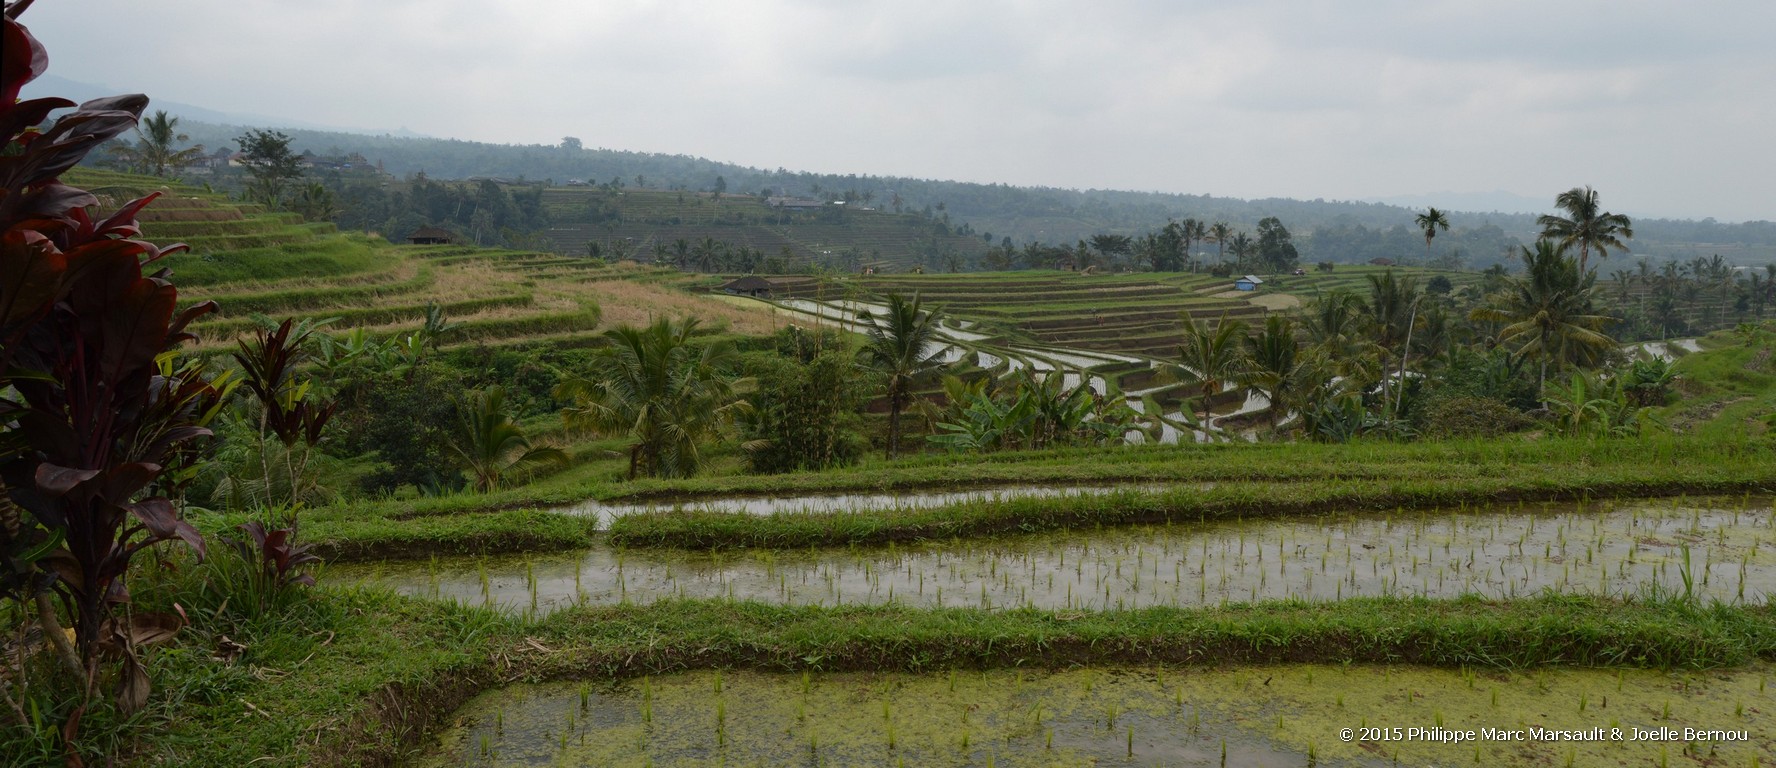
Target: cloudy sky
x=1667, y=108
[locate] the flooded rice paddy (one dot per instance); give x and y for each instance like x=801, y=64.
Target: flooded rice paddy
x=605, y=512
x=1717, y=549
x=1293, y=715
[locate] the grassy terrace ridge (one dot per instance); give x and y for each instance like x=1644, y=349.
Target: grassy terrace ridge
x=1141, y=314
x=359, y=677
x=649, y=217
x=701, y=529
x=1212, y=482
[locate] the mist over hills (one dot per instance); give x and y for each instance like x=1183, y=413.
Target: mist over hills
x=53, y=85
x=1487, y=227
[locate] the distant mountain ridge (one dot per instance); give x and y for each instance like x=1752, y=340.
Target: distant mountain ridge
x=1486, y=225
x=52, y=85
x=1496, y=201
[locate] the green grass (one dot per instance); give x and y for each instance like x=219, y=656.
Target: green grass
x=317, y=299
x=700, y=529
x=1223, y=481
x=1727, y=389
x=358, y=677
x=331, y=257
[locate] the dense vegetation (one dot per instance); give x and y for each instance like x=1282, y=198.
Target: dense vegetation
x=1339, y=231
x=282, y=393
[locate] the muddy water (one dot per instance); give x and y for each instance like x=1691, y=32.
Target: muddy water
x=1614, y=548
x=1257, y=716
x=849, y=502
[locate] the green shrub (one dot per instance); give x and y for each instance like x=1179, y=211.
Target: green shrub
x=1463, y=416
x=804, y=414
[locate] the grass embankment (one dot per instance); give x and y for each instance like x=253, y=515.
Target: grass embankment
x=1213, y=482
x=356, y=678
x=1728, y=389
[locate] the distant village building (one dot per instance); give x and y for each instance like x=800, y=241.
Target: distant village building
x=431, y=236
x=751, y=285
x=794, y=203
x=1248, y=283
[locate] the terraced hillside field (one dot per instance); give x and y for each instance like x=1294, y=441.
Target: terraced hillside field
x=649, y=218
x=254, y=262
x=1134, y=314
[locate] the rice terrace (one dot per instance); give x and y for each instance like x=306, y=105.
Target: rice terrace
x=325, y=448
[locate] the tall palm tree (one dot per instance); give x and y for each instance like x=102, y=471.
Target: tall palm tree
x=1242, y=246
x=1429, y=222
x=1193, y=231
x=681, y=248
x=1111, y=246
x=1390, y=307
x=654, y=387
x=708, y=253
x=1586, y=225
x=492, y=445
x=154, y=152
x=1272, y=362
x=1219, y=233
x=1393, y=310
x=1210, y=357
x=1548, y=314
x=903, y=344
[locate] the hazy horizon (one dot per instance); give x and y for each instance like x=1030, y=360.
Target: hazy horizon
x=1663, y=109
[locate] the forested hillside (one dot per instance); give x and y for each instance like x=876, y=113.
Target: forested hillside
x=1339, y=231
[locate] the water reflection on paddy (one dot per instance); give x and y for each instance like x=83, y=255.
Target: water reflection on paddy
x=1252, y=716
x=1727, y=548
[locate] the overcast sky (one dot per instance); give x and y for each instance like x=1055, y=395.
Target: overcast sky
x=1667, y=108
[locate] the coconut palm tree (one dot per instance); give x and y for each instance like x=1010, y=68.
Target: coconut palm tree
x=1219, y=233
x=681, y=250
x=1586, y=225
x=664, y=394
x=1429, y=222
x=903, y=344
x=154, y=152
x=1111, y=246
x=1548, y=314
x=1193, y=231
x=1210, y=357
x=1242, y=246
x=1272, y=363
x=493, y=446
x=1393, y=311
x=1337, y=327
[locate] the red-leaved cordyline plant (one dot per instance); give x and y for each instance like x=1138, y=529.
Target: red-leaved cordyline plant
x=275, y=562
x=286, y=409
x=92, y=411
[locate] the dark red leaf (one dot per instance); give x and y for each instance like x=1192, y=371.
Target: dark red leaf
x=123, y=222
x=34, y=277
x=191, y=313
x=157, y=515
x=192, y=538
x=56, y=481
x=28, y=113
x=71, y=731
x=132, y=103
x=256, y=531
x=22, y=59
x=135, y=326
x=51, y=201
x=124, y=480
